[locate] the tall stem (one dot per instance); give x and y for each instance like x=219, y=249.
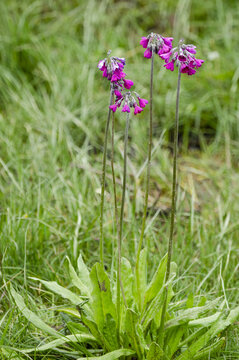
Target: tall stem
x=173, y=208
x=113, y=174
x=119, y=282
x=147, y=179
x=103, y=183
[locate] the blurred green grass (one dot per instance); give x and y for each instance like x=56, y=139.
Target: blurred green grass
x=53, y=106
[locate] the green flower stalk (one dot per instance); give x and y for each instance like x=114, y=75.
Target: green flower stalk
x=103, y=182
x=183, y=56
x=173, y=210
x=147, y=179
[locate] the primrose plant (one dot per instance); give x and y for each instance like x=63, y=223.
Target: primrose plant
x=126, y=315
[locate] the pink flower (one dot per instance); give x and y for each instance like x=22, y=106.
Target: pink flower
x=191, y=49
x=191, y=71
x=148, y=54
x=142, y=102
x=168, y=41
x=182, y=58
x=137, y=109
x=113, y=107
x=118, y=94
x=170, y=65
x=128, y=83
x=199, y=62
x=105, y=74
x=126, y=108
x=117, y=75
x=186, y=69
x=144, y=42
x=166, y=56
x=164, y=49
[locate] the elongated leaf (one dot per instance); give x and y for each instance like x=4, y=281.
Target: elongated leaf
x=210, y=350
x=153, y=309
x=30, y=316
x=83, y=273
x=60, y=290
x=109, y=333
x=173, y=340
x=70, y=311
x=191, y=314
x=112, y=355
x=127, y=280
x=155, y=352
x=206, y=321
x=157, y=281
x=84, y=286
x=76, y=338
x=142, y=275
x=132, y=320
x=8, y=353
x=220, y=325
x=102, y=303
x=77, y=328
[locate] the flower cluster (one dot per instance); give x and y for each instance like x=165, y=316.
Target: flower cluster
x=128, y=100
x=182, y=56
x=156, y=43
x=112, y=68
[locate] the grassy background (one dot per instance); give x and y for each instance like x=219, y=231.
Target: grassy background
x=53, y=106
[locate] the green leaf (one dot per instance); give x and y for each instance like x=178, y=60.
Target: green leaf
x=60, y=290
x=77, y=328
x=76, y=338
x=173, y=339
x=81, y=281
x=83, y=273
x=10, y=354
x=132, y=320
x=157, y=281
x=190, y=301
x=220, y=325
x=112, y=355
x=206, y=321
x=210, y=350
x=70, y=311
x=139, y=295
x=109, y=333
x=190, y=314
x=155, y=352
x=153, y=309
x=101, y=296
x=127, y=280
x=30, y=316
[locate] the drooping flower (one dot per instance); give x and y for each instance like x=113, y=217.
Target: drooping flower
x=170, y=65
x=112, y=67
x=142, y=102
x=182, y=56
x=126, y=108
x=118, y=94
x=129, y=101
x=137, y=109
x=148, y=54
x=156, y=43
x=128, y=83
x=144, y=42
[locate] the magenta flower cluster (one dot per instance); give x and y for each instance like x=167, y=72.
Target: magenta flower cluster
x=128, y=100
x=182, y=56
x=156, y=43
x=112, y=68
